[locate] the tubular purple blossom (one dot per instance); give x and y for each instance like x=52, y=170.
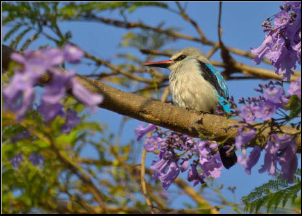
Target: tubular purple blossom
x=288, y=159
x=244, y=138
x=19, y=95
x=265, y=110
x=57, y=88
x=247, y=113
x=252, y=160
x=72, y=53
x=282, y=150
x=274, y=95
x=153, y=143
x=171, y=175
x=295, y=88
x=141, y=131
x=261, y=51
x=159, y=166
x=86, y=97
x=270, y=159
x=282, y=43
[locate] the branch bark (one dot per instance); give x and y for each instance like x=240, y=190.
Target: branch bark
x=156, y=112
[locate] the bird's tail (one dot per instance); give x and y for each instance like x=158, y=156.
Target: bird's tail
x=227, y=155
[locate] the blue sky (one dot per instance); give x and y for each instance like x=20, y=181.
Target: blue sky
x=241, y=23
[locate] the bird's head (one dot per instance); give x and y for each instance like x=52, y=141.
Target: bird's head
x=179, y=58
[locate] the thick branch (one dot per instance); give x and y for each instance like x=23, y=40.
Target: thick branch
x=156, y=112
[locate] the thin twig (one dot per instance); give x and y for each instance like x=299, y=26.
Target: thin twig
x=143, y=181
x=212, y=51
x=187, y=18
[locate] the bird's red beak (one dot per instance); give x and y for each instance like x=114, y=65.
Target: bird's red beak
x=162, y=64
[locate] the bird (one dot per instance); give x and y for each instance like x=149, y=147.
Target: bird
x=196, y=85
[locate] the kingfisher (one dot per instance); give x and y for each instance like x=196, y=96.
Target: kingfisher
x=196, y=85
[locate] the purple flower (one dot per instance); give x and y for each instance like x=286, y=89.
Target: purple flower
x=277, y=51
x=71, y=121
x=159, y=166
x=262, y=50
x=282, y=44
x=295, y=88
x=165, y=168
x=170, y=176
x=19, y=95
x=285, y=67
x=72, y=53
x=209, y=161
x=270, y=158
x=86, y=97
x=17, y=159
x=297, y=48
x=50, y=111
x=193, y=175
x=247, y=113
x=265, y=110
x=252, y=160
x=282, y=19
x=35, y=158
x=153, y=143
x=212, y=167
x=274, y=95
x=244, y=138
x=287, y=158
x=141, y=131
x=38, y=62
x=57, y=88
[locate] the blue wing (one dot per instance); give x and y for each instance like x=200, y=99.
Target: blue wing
x=220, y=80
x=222, y=90
x=213, y=76
x=222, y=99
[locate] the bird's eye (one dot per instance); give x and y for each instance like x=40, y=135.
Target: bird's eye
x=180, y=58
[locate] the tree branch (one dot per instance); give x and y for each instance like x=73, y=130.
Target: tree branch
x=158, y=113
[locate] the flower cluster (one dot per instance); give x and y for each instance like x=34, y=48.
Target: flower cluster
x=278, y=149
x=176, y=153
x=266, y=105
x=19, y=94
x=273, y=98
x=34, y=157
x=282, y=44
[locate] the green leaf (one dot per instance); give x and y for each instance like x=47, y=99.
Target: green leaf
x=29, y=41
x=12, y=31
x=273, y=193
x=295, y=106
x=14, y=43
